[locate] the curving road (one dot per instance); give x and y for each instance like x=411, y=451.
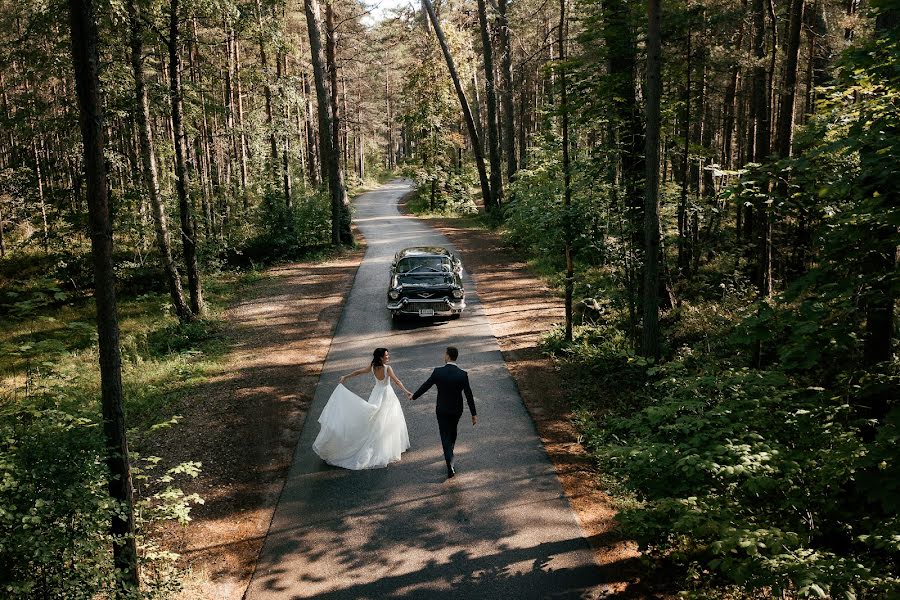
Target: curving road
x=502, y=528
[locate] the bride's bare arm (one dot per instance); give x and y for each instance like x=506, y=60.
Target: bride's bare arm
x=397, y=381
x=355, y=373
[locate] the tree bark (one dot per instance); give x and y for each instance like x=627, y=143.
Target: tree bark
x=684, y=249
x=567, y=170
x=338, y=129
x=331, y=65
x=464, y=103
x=762, y=147
x=281, y=67
x=880, y=265
x=619, y=35
x=148, y=163
x=182, y=185
x=785, y=136
x=316, y=170
x=496, y=199
x=340, y=204
x=650, y=332
x=264, y=66
x=506, y=91
x=85, y=60
x=239, y=101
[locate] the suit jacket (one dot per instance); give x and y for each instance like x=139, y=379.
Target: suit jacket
x=452, y=382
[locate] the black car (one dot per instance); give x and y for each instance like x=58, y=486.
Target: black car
x=426, y=281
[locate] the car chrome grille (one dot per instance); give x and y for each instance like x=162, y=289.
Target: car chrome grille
x=417, y=306
x=428, y=295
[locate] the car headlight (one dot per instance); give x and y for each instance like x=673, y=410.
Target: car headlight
x=458, y=293
x=394, y=294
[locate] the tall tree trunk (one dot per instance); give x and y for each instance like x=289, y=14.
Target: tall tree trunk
x=85, y=60
x=232, y=152
x=880, y=266
x=762, y=145
x=684, y=245
x=316, y=169
x=463, y=102
x=331, y=65
x=729, y=109
x=524, y=115
x=567, y=170
x=619, y=35
x=389, y=121
x=496, y=199
x=148, y=163
x=270, y=124
x=281, y=67
x=336, y=122
x=476, y=107
x=340, y=204
x=39, y=182
x=239, y=101
x=182, y=185
x=785, y=136
x=506, y=91
x=650, y=332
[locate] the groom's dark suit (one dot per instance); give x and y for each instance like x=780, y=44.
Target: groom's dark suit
x=452, y=382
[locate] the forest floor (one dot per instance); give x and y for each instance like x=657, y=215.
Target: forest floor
x=243, y=426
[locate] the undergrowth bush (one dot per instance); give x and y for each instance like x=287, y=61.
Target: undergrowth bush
x=285, y=233
x=441, y=191
x=761, y=478
x=55, y=509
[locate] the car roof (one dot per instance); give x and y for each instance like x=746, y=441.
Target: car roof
x=423, y=251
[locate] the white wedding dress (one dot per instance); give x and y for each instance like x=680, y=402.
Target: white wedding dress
x=356, y=434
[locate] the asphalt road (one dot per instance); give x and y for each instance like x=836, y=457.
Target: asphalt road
x=502, y=528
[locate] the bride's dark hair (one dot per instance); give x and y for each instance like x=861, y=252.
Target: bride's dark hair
x=378, y=357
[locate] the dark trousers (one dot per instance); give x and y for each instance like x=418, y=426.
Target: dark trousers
x=447, y=426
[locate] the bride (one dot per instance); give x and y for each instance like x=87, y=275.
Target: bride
x=357, y=434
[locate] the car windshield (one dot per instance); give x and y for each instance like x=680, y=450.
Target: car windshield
x=427, y=278
x=423, y=264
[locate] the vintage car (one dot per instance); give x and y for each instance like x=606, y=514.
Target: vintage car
x=426, y=281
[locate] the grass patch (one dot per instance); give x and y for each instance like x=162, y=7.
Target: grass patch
x=48, y=350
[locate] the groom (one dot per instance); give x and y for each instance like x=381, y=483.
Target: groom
x=452, y=382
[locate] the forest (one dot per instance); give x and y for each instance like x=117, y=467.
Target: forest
x=711, y=186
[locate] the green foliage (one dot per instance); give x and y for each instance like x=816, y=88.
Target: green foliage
x=440, y=191
x=535, y=218
x=286, y=233
x=761, y=480
x=54, y=503
x=55, y=509
x=762, y=456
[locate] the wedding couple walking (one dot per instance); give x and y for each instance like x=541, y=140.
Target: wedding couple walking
x=357, y=434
